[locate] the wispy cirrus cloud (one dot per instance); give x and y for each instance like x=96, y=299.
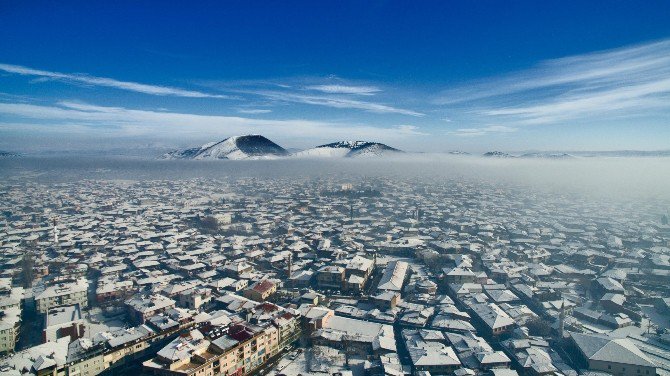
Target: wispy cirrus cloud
x=410, y=130
x=628, y=81
x=68, y=116
x=483, y=131
x=85, y=79
x=345, y=89
x=330, y=91
x=254, y=111
x=334, y=102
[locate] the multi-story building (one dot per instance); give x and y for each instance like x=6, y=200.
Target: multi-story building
x=139, y=308
x=242, y=349
x=330, y=277
x=10, y=314
x=357, y=273
x=62, y=294
x=195, y=298
x=10, y=321
x=65, y=321
x=261, y=290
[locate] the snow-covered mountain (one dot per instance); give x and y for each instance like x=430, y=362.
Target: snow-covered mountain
x=236, y=147
x=547, y=155
x=348, y=149
x=498, y=154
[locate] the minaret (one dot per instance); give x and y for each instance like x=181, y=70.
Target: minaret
x=56, y=232
x=290, y=265
x=561, y=320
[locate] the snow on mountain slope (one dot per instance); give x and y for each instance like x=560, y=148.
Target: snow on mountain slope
x=498, y=154
x=235, y=148
x=320, y=152
x=547, y=155
x=347, y=149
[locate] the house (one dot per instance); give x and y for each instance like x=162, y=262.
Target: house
x=357, y=272
x=459, y=275
x=394, y=276
x=429, y=352
x=616, y=356
x=261, y=290
x=386, y=300
x=492, y=318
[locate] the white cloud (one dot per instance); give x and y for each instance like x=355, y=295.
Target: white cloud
x=335, y=102
x=640, y=97
x=253, y=111
x=107, y=82
x=73, y=116
x=345, y=89
x=475, y=132
x=410, y=130
x=627, y=81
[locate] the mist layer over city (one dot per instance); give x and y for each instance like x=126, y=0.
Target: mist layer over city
x=296, y=188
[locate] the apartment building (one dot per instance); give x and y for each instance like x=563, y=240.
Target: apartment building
x=10, y=314
x=62, y=294
x=240, y=350
x=141, y=308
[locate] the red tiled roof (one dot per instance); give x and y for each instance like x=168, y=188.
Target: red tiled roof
x=263, y=286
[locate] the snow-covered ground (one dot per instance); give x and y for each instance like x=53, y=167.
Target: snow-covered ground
x=317, y=361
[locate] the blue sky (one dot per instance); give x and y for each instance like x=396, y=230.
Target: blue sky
x=434, y=76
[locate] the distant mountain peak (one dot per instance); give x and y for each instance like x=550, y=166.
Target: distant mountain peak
x=348, y=149
x=547, y=155
x=498, y=154
x=252, y=146
x=8, y=154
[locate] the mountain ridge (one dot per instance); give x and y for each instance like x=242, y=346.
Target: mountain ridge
x=348, y=149
x=253, y=146
x=256, y=146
